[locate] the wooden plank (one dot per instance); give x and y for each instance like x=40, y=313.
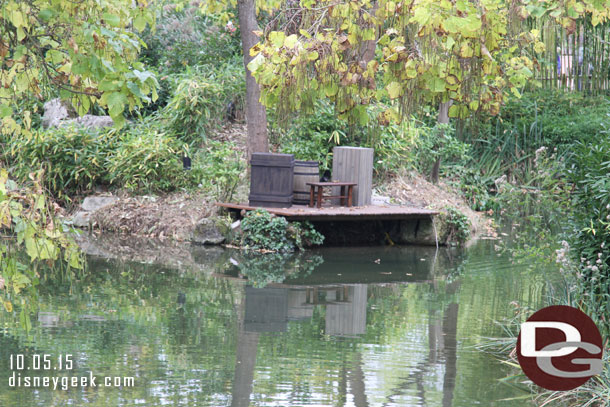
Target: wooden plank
x=355, y=164
x=336, y=213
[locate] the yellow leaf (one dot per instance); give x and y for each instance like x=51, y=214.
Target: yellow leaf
x=466, y=51
x=393, y=89
x=8, y=306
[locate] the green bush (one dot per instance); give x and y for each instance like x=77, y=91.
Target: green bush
x=506, y=145
x=146, y=160
x=313, y=137
x=184, y=38
x=458, y=225
x=264, y=231
x=200, y=100
x=218, y=168
x=73, y=159
x=590, y=235
x=139, y=157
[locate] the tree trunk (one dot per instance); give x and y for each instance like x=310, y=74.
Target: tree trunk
x=256, y=116
x=443, y=118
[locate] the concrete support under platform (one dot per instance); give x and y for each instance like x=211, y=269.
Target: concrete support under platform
x=368, y=225
x=379, y=232
x=418, y=231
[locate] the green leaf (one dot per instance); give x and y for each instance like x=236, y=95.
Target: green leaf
x=139, y=23
x=393, y=89
x=46, y=14
x=436, y=85
x=331, y=89
x=5, y=111
x=116, y=103
x=31, y=248
x=143, y=75
x=112, y=19
x=135, y=90
x=277, y=38
x=291, y=41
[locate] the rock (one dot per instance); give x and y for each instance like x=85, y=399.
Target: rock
x=89, y=121
x=81, y=219
x=58, y=113
x=54, y=113
x=206, y=232
x=94, y=203
x=48, y=319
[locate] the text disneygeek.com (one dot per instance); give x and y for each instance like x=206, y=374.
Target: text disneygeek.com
x=67, y=382
x=21, y=365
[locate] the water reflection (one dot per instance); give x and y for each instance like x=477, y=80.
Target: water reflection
x=270, y=309
x=363, y=327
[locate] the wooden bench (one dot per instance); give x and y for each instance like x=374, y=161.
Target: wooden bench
x=344, y=199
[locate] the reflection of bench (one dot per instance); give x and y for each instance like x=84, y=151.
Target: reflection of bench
x=345, y=199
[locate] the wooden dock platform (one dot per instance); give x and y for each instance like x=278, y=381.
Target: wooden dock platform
x=341, y=213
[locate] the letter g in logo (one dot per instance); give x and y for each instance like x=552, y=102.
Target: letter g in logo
x=555, y=344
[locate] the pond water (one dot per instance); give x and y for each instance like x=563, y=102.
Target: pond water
x=347, y=327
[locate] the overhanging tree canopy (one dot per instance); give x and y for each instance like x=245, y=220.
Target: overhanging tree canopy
x=86, y=49
x=472, y=52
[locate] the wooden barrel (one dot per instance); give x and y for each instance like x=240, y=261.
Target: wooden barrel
x=271, y=180
x=304, y=172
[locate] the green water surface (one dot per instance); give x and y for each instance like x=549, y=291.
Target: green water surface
x=348, y=327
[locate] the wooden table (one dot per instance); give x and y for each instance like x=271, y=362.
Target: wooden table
x=319, y=196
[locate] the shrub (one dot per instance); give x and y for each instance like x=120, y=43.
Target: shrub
x=73, y=159
x=458, y=225
x=263, y=231
x=147, y=160
x=200, y=100
x=313, y=136
x=187, y=38
x=439, y=142
x=139, y=157
x=590, y=239
x=218, y=168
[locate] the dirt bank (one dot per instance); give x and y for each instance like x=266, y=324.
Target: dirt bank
x=177, y=215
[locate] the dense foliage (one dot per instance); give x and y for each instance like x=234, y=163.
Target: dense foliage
x=266, y=232
x=591, y=238
x=26, y=215
x=139, y=158
x=84, y=51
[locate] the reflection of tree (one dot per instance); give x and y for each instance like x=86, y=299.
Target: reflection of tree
x=450, y=334
x=131, y=319
x=442, y=343
x=265, y=268
x=245, y=361
x=356, y=381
